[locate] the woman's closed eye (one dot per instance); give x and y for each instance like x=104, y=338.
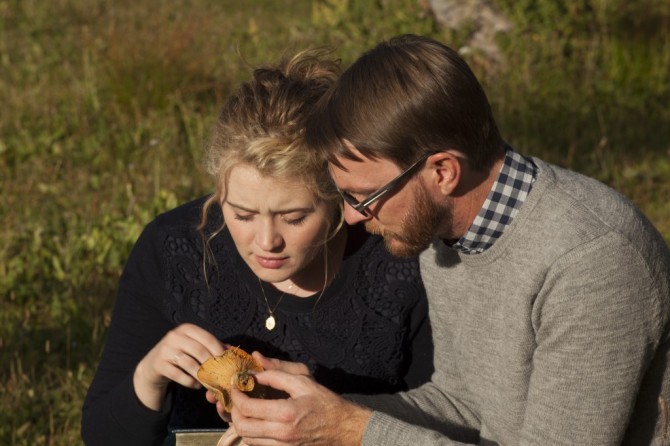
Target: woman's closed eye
x=292, y=220
x=243, y=217
x=295, y=221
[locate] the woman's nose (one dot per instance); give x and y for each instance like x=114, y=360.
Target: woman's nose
x=268, y=238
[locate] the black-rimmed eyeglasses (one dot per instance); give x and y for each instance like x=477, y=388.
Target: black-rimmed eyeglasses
x=361, y=206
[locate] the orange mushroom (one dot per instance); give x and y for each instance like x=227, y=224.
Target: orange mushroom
x=234, y=368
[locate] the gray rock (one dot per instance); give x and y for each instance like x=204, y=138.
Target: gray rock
x=485, y=19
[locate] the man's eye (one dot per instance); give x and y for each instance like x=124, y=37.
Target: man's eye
x=360, y=196
x=349, y=197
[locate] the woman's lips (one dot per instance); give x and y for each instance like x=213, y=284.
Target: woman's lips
x=271, y=262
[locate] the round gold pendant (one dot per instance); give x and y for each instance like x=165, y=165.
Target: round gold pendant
x=270, y=322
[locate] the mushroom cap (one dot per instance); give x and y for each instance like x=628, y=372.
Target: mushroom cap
x=234, y=368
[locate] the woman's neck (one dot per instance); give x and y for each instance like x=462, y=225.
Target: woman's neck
x=320, y=272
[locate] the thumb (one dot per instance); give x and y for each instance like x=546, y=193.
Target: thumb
x=295, y=368
x=294, y=385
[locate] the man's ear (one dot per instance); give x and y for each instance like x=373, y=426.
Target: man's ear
x=447, y=170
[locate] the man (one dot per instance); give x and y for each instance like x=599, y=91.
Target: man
x=549, y=293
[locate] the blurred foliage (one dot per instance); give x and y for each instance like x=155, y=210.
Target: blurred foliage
x=106, y=107
x=588, y=77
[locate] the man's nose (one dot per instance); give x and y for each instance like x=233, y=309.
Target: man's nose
x=352, y=216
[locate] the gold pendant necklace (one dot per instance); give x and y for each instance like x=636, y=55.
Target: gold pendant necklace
x=270, y=322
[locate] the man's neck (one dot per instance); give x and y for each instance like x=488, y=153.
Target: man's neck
x=467, y=205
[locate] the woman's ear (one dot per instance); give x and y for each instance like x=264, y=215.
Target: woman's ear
x=447, y=170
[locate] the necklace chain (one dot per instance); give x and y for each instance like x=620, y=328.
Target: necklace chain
x=270, y=322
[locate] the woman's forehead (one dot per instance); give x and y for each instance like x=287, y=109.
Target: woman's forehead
x=247, y=186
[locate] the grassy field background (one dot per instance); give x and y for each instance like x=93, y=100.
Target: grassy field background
x=106, y=105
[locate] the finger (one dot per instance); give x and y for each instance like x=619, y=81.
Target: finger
x=210, y=397
x=213, y=346
x=178, y=375
x=188, y=355
x=294, y=385
x=225, y=415
x=261, y=432
x=269, y=410
x=187, y=341
x=296, y=368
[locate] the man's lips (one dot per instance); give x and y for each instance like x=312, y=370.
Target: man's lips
x=271, y=262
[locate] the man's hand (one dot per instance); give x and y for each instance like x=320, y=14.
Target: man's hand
x=294, y=368
x=312, y=415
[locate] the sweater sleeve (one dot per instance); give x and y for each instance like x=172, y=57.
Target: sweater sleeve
x=112, y=414
x=425, y=415
x=385, y=430
x=599, y=320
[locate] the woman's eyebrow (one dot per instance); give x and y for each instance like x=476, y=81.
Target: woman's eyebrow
x=305, y=209
x=291, y=210
x=239, y=206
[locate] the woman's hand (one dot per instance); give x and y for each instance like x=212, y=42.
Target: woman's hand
x=176, y=357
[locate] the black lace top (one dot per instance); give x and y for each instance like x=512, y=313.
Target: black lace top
x=368, y=332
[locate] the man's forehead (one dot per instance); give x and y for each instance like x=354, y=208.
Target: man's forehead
x=361, y=175
x=350, y=157
x=349, y=152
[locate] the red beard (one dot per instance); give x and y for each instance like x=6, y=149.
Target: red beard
x=417, y=228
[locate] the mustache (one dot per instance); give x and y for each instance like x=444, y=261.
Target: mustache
x=373, y=229
x=376, y=230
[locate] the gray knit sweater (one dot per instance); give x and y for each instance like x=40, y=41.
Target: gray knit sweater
x=558, y=334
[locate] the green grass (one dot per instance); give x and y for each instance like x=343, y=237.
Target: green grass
x=106, y=106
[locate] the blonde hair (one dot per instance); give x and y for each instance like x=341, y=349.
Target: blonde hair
x=262, y=125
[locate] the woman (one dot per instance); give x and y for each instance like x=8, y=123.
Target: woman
x=264, y=263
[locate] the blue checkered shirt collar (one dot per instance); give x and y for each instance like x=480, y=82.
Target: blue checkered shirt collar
x=507, y=194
